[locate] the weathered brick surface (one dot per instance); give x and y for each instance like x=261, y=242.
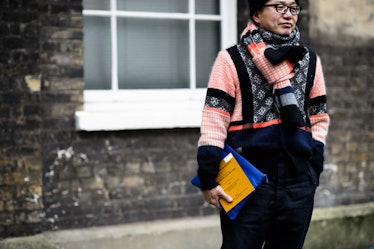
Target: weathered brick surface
x=53, y=177
x=33, y=113
x=123, y=177
x=20, y=122
x=349, y=173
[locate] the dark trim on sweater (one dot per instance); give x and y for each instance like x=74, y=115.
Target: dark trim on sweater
x=310, y=82
x=245, y=84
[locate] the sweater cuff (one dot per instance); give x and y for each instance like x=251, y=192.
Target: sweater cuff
x=208, y=158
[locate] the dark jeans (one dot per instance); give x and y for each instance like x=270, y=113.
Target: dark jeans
x=276, y=216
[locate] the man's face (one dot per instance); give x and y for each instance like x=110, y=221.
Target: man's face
x=269, y=19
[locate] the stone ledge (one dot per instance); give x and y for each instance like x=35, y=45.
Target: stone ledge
x=341, y=227
x=30, y=242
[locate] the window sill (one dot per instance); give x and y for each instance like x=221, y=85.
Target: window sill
x=140, y=109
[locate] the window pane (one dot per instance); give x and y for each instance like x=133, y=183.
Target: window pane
x=153, y=54
x=96, y=4
x=97, y=53
x=207, y=46
x=210, y=7
x=180, y=6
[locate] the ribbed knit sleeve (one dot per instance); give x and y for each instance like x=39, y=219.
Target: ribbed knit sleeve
x=219, y=105
x=219, y=102
x=319, y=117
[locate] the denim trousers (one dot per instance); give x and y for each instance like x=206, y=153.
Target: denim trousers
x=277, y=214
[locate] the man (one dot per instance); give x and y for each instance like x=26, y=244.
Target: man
x=266, y=98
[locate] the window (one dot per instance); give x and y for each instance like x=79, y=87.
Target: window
x=147, y=62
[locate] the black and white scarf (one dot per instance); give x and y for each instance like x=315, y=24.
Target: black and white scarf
x=279, y=60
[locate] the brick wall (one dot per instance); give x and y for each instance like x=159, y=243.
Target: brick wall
x=120, y=177
x=53, y=177
x=21, y=119
x=349, y=168
x=61, y=42
x=41, y=87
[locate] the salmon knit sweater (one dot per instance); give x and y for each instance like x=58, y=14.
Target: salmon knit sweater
x=263, y=134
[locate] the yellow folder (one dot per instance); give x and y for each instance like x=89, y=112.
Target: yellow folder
x=234, y=182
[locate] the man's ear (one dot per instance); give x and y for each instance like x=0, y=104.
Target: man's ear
x=256, y=17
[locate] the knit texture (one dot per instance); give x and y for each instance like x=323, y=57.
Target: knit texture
x=277, y=69
x=223, y=116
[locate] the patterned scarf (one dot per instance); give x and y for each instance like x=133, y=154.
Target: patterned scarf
x=276, y=57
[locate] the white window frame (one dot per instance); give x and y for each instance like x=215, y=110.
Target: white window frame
x=152, y=109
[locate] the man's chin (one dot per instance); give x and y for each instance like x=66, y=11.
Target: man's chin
x=286, y=32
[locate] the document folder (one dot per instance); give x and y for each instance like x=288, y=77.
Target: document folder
x=238, y=178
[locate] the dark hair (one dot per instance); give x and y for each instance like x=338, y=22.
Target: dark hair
x=256, y=5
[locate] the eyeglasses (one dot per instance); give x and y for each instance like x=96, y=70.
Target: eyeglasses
x=282, y=9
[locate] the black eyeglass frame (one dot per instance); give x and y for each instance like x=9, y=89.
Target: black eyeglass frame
x=294, y=10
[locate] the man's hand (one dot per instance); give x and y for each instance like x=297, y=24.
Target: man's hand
x=212, y=196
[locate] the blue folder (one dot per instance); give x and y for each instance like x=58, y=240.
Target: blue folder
x=254, y=175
